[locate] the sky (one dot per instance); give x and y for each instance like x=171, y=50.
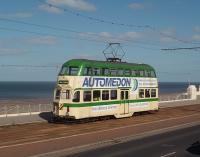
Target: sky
x=38, y=36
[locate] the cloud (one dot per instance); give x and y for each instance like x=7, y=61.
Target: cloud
x=75, y=4
x=108, y=37
x=197, y=28
x=43, y=40
x=196, y=37
x=168, y=35
x=50, y=9
x=17, y=15
x=11, y=51
x=136, y=6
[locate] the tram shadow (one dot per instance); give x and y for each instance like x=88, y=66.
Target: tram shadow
x=194, y=148
x=46, y=116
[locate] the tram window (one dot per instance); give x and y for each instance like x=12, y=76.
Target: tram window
x=105, y=71
x=73, y=70
x=122, y=95
x=96, y=95
x=141, y=93
x=57, y=94
x=153, y=92
x=153, y=74
x=137, y=73
x=113, y=94
x=76, y=97
x=134, y=73
x=64, y=71
x=126, y=95
x=105, y=95
x=87, y=96
x=127, y=72
x=87, y=71
x=141, y=73
x=113, y=72
x=147, y=93
x=96, y=71
x=66, y=94
x=147, y=73
x=121, y=72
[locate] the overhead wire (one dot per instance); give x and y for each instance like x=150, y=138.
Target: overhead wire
x=101, y=20
x=47, y=34
x=181, y=48
x=74, y=31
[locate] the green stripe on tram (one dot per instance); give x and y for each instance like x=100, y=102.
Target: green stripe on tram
x=108, y=102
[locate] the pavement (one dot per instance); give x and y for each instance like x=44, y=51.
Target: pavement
x=26, y=119
x=179, y=143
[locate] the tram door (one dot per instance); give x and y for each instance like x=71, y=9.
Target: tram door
x=124, y=95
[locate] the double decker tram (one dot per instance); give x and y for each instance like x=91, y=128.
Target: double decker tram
x=91, y=88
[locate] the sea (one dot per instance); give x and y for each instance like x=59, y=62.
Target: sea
x=40, y=90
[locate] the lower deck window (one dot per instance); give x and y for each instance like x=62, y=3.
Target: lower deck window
x=96, y=95
x=147, y=93
x=66, y=94
x=113, y=94
x=105, y=95
x=87, y=96
x=76, y=97
x=153, y=92
x=57, y=94
x=141, y=93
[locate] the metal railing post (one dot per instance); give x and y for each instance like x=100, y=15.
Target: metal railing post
x=6, y=112
x=30, y=109
x=18, y=109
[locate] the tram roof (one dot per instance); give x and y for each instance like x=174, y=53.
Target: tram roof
x=106, y=64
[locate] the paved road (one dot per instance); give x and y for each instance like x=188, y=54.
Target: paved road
x=174, y=144
x=48, y=139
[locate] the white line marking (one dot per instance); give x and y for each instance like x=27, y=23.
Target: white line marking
x=169, y=154
x=95, y=132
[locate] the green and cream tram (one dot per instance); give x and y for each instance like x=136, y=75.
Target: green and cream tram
x=90, y=88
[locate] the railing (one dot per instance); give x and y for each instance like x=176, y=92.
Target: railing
x=179, y=97
x=16, y=110
x=31, y=109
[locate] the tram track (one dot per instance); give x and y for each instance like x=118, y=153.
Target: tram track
x=26, y=131
x=22, y=135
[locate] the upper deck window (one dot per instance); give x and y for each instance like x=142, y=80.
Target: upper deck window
x=88, y=71
x=127, y=72
x=147, y=73
x=113, y=72
x=73, y=70
x=134, y=73
x=141, y=73
x=96, y=71
x=105, y=71
x=64, y=71
x=153, y=74
x=137, y=73
x=120, y=72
